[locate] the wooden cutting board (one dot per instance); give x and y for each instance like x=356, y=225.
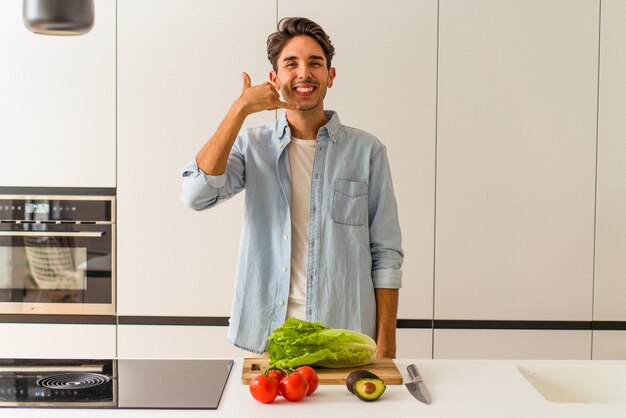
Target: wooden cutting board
x=383, y=368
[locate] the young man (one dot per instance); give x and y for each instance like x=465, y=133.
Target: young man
x=321, y=238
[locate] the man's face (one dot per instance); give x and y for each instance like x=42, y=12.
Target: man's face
x=302, y=76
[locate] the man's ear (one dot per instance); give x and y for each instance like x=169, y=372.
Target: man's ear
x=274, y=80
x=332, y=73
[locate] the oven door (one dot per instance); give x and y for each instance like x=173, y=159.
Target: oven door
x=57, y=268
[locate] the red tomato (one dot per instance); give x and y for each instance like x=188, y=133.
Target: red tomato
x=294, y=387
x=276, y=374
x=264, y=388
x=311, y=377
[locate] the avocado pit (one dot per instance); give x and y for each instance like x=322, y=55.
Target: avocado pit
x=367, y=387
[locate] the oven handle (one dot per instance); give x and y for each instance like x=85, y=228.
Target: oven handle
x=85, y=234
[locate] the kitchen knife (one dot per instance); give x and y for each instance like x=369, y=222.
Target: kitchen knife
x=416, y=387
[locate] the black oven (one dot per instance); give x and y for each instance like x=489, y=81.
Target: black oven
x=57, y=254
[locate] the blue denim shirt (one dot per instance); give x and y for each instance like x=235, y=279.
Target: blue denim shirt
x=354, y=233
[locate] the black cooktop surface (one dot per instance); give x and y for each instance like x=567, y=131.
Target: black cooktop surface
x=89, y=383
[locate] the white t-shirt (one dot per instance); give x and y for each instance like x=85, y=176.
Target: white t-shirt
x=301, y=153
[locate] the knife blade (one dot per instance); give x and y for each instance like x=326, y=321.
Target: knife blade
x=416, y=386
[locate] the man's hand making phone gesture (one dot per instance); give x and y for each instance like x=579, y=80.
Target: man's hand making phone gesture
x=261, y=97
x=213, y=156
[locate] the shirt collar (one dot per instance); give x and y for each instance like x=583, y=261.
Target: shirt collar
x=332, y=126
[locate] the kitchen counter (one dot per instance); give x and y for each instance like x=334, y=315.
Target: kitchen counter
x=459, y=388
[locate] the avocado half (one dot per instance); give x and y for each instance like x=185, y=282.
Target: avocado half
x=365, y=385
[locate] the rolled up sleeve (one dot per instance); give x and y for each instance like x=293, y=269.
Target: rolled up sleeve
x=385, y=236
x=387, y=278
x=200, y=190
x=192, y=170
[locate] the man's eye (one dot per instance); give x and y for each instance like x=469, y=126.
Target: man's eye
x=316, y=64
x=290, y=65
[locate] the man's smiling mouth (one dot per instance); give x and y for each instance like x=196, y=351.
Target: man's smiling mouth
x=305, y=89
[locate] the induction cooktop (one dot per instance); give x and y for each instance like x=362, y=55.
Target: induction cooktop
x=132, y=383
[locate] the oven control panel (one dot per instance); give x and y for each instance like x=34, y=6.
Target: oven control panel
x=56, y=209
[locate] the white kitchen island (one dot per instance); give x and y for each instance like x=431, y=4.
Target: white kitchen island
x=459, y=388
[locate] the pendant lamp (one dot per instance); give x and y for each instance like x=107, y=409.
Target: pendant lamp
x=59, y=17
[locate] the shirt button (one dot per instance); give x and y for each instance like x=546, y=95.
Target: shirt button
x=285, y=237
x=281, y=302
x=284, y=269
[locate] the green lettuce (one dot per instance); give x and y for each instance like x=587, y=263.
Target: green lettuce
x=299, y=343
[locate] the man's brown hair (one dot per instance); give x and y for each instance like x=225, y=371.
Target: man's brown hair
x=290, y=27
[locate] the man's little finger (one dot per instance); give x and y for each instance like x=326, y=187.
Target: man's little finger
x=285, y=105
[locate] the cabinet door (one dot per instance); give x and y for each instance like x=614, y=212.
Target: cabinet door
x=161, y=341
x=179, y=68
x=57, y=103
x=414, y=343
x=386, y=62
x=516, y=160
x=511, y=344
x=609, y=283
x=57, y=340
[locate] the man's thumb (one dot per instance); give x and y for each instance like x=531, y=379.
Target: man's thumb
x=246, y=80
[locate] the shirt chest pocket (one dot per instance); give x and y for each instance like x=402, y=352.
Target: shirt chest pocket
x=350, y=202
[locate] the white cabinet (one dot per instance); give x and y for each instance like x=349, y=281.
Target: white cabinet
x=164, y=341
x=57, y=103
x=179, y=66
x=414, y=343
x=511, y=344
x=609, y=345
x=386, y=62
x=57, y=340
x=516, y=163
x=610, y=283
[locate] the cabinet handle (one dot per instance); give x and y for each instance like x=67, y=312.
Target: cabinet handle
x=81, y=234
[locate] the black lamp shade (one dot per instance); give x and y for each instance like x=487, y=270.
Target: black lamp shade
x=59, y=17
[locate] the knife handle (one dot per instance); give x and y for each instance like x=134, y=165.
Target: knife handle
x=413, y=373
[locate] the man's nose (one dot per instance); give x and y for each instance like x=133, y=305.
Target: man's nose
x=304, y=72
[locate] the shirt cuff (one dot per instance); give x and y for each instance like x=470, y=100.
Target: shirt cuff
x=387, y=278
x=192, y=170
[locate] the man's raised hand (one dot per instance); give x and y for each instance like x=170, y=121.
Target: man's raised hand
x=262, y=97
